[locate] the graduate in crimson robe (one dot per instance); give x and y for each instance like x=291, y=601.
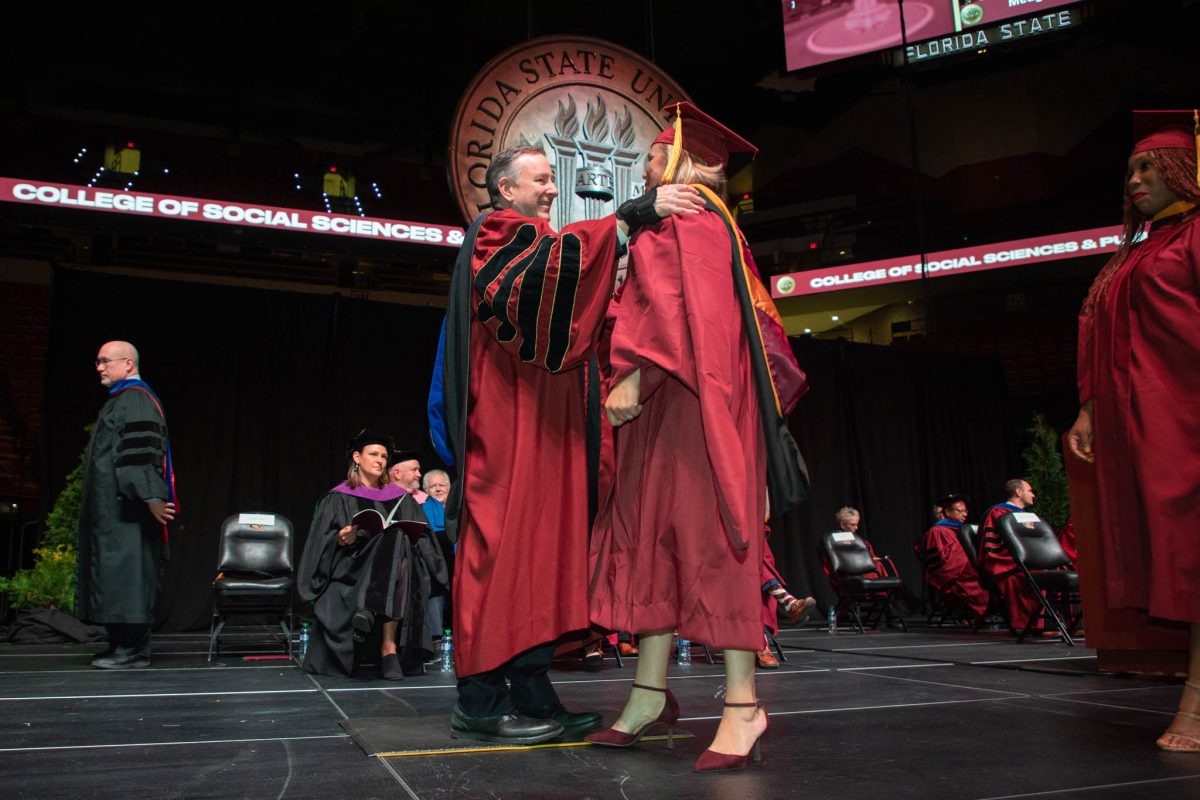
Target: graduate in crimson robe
x=1139, y=422
x=947, y=567
x=1020, y=600
x=678, y=544
x=1066, y=537
x=526, y=304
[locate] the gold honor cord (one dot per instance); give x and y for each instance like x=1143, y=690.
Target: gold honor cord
x=1178, y=207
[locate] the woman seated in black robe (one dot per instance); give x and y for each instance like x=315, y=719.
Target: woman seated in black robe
x=355, y=579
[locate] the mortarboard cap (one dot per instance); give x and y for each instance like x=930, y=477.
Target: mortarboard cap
x=702, y=136
x=396, y=456
x=366, y=437
x=1153, y=130
x=1158, y=130
x=951, y=499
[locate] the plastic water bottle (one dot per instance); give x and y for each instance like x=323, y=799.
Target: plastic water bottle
x=685, y=652
x=832, y=619
x=447, y=651
x=302, y=647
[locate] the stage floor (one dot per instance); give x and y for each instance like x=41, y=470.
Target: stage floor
x=926, y=714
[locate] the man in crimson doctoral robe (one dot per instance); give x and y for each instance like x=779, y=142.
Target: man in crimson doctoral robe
x=947, y=567
x=526, y=304
x=1019, y=599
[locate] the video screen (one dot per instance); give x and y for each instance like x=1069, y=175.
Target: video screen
x=820, y=31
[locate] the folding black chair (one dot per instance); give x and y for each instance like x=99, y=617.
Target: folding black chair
x=849, y=560
x=254, y=573
x=1047, y=570
x=968, y=537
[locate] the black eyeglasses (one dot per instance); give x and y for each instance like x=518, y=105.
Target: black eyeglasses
x=106, y=361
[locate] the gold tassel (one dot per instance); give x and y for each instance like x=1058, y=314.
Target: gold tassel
x=1195, y=133
x=676, y=147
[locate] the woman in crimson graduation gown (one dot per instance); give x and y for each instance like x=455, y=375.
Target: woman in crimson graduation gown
x=678, y=544
x=1139, y=380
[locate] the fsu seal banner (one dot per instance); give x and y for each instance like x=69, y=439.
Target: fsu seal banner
x=593, y=106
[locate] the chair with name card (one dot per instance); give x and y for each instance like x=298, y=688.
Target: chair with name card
x=1045, y=566
x=254, y=574
x=848, y=562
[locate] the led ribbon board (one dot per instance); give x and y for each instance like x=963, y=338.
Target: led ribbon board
x=1015, y=253
x=163, y=206
x=820, y=31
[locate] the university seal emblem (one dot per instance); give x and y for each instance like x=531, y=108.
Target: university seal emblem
x=593, y=106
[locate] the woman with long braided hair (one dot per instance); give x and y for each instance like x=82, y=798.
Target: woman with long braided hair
x=1139, y=380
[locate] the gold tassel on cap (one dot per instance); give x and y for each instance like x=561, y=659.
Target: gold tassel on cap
x=676, y=147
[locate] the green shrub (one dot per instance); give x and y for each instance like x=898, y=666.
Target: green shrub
x=1044, y=470
x=50, y=584
x=60, y=522
x=51, y=581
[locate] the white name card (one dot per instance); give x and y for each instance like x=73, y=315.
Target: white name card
x=256, y=519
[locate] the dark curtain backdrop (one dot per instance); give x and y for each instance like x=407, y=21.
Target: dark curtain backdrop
x=887, y=432
x=263, y=388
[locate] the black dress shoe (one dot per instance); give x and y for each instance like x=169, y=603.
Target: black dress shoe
x=573, y=725
x=389, y=668
x=362, y=622
x=104, y=655
x=135, y=661
x=503, y=729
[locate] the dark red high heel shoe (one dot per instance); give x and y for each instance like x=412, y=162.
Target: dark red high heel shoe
x=611, y=737
x=712, y=761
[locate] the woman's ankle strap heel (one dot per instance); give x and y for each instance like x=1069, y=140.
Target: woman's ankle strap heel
x=667, y=718
x=712, y=761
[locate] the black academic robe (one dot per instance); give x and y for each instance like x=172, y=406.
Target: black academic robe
x=118, y=541
x=387, y=574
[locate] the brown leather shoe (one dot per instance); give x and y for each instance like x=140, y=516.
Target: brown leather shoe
x=797, y=610
x=626, y=649
x=766, y=659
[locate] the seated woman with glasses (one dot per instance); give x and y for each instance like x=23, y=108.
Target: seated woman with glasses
x=351, y=577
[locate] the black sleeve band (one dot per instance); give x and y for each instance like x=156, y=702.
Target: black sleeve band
x=639, y=211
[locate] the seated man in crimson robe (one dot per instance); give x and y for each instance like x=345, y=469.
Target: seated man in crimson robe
x=994, y=558
x=775, y=594
x=849, y=519
x=947, y=567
